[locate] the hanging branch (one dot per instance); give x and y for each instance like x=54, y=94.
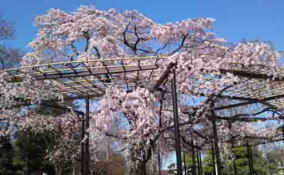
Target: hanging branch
x=181, y=44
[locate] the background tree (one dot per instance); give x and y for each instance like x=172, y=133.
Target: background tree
x=7, y=30
x=31, y=152
x=9, y=57
x=6, y=155
x=262, y=166
x=114, y=165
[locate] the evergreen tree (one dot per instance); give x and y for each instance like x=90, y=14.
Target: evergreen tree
x=6, y=156
x=261, y=164
x=30, y=152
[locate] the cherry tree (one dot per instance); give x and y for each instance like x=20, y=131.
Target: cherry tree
x=197, y=54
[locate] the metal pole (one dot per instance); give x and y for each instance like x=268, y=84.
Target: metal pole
x=160, y=125
x=159, y=161
x=283, y=130
x=193, y=159
x=87, y=150
x=216, y=147
x=213, y=159
x=234, y=152
x=234, y=159
x=197, y=159
x=176, y=124
x=249, y=160
x=184, y=162
x=82, y=145
x=200, y=162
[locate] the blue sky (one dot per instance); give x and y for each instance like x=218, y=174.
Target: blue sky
x=235, y=19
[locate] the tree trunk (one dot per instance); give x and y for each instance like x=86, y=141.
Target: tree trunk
x=139, y=168
x=135, y=165
x=58, y=169
x=151, y=166
x=75, y=168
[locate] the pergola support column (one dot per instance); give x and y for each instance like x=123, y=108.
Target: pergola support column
x=193, y=159
x=199, y=162
x=233, y=151
x=216, y=148
x=184, y=162
x=213, y=159
x=176, y=124
x=82, y=145
x=87, y=135
x=250, y=159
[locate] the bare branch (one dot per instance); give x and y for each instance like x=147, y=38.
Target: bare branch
x=181, y=44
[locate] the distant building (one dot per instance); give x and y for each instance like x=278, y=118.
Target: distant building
x=166, y=172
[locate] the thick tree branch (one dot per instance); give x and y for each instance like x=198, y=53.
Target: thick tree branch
x=181, y=44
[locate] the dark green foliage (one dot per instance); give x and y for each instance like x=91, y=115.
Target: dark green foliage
x=263, y=165
x=241, y=162
x=6, y=156
x=30, y=152
x=208, y=166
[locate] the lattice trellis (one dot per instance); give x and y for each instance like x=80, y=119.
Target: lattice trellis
x=89, y=77
x=272, y=92
x=92, y=77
